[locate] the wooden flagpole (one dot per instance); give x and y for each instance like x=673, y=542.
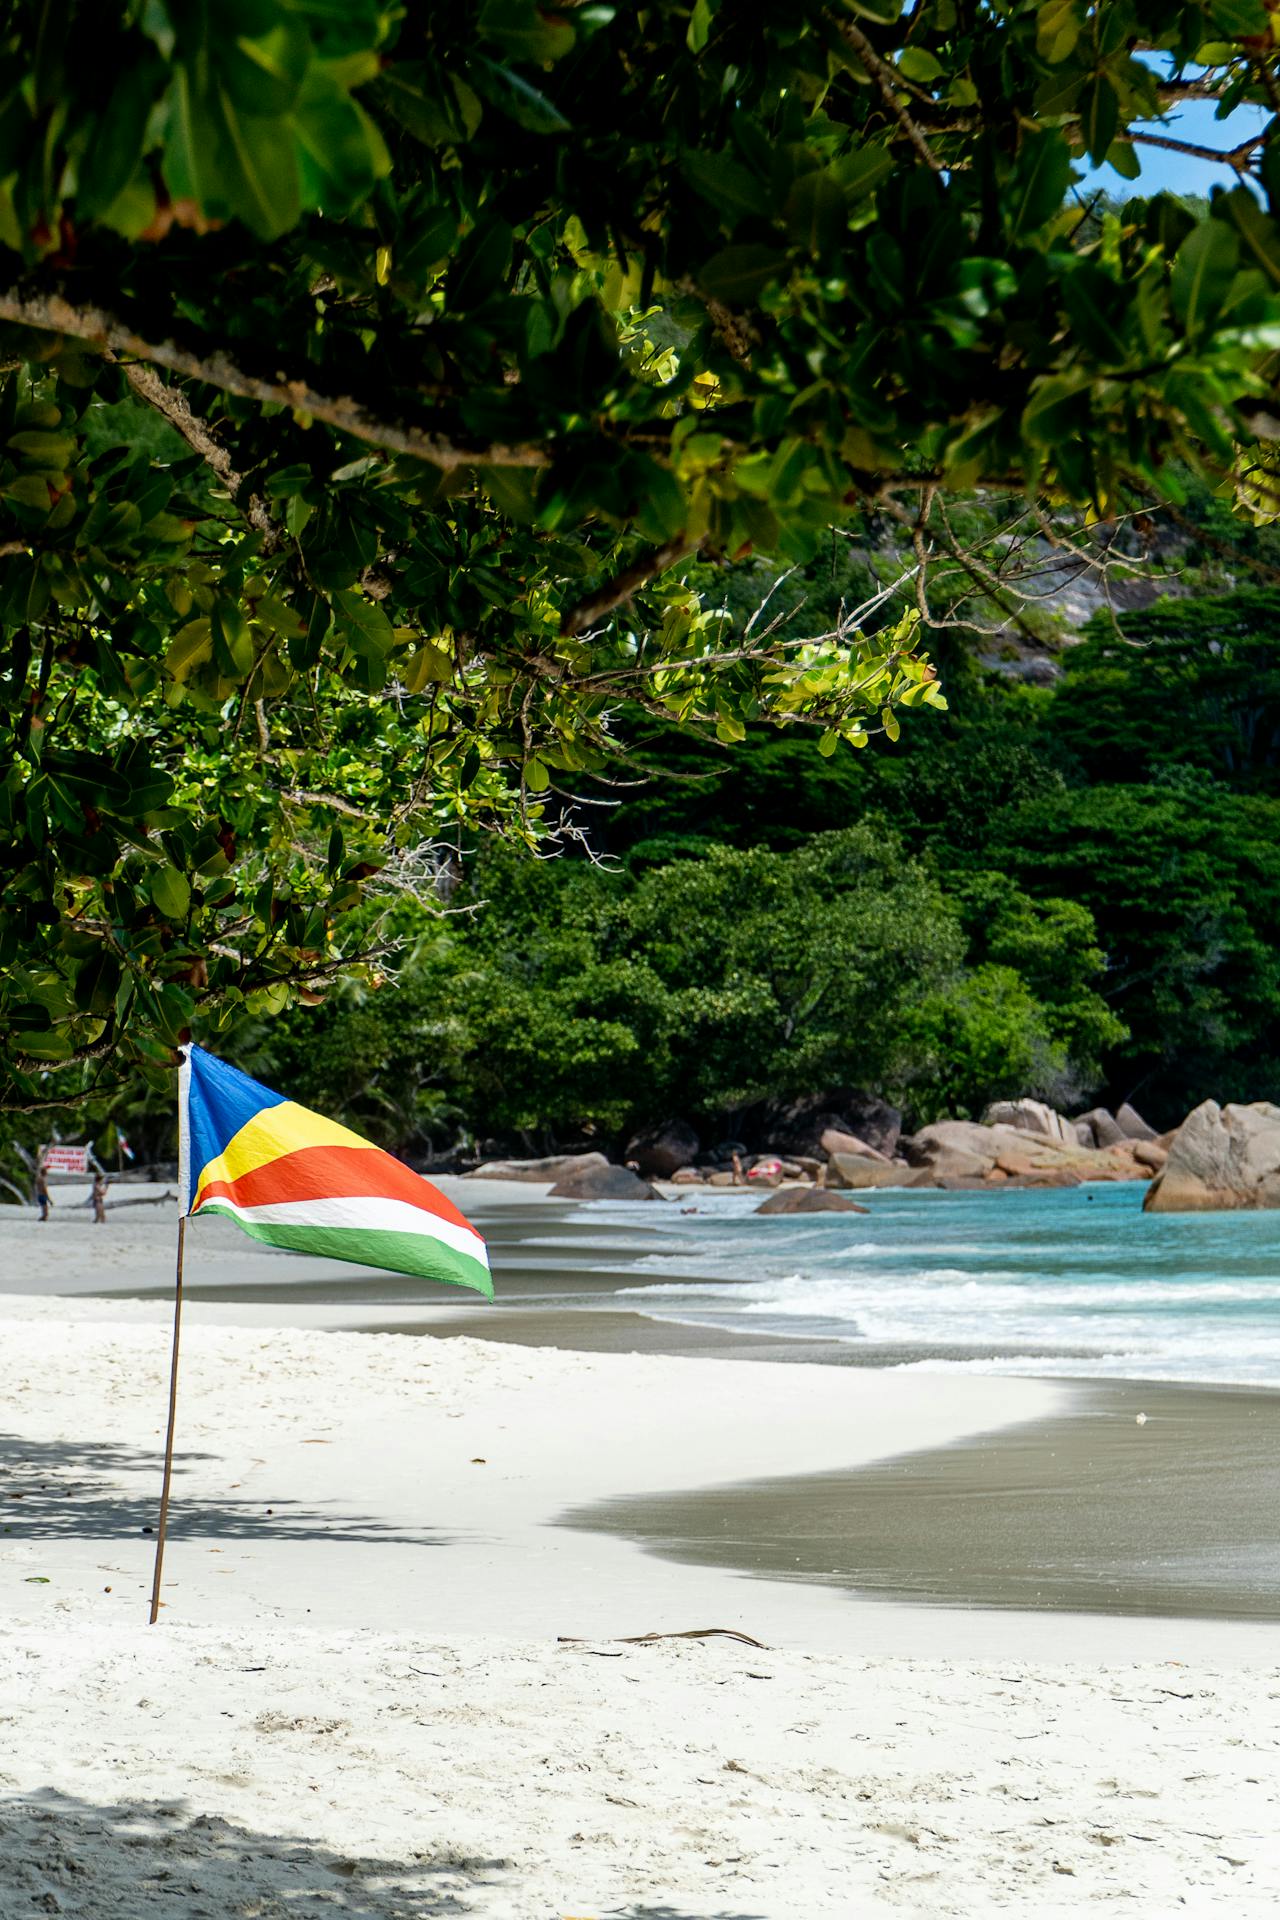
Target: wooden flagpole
x=173, y=1416
x=184, y=1208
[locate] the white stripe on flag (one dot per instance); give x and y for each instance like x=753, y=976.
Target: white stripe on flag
x=363, y=1213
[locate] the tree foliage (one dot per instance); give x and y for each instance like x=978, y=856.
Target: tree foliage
x=374, y=372
x=1190, y=683
x=576, y=1001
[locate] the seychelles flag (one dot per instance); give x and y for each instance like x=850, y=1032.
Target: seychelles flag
x=294, y=1179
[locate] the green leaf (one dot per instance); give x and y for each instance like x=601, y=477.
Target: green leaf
x=428, y=665
x=918, y=65
x=1205, y=266
x=1091, y=297
x=1100, y=118
x=341, y=152
x=170, y=892
x=366, y=627
x=190, y=647
x=884, y=11
x=259, y=167
x=700, y=23
x=1054, y=410
x=116, y=144
x=1123, y=156
x=1058, y=27
x=517, y=97
x=739, y=275
x=860, y=172
x=732, y=189
x=1238, y=19
x=815, y=212
x=1259, y=233
x=524, y=31
x=1040, y=181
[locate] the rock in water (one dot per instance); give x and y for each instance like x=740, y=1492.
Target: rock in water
x=809, y=1200
x=604, y=1182
x=1132, y=1125
x=1220, y=1158
x=658, y=1152
x=559, y=1166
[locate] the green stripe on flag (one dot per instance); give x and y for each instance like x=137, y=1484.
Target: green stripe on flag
x=417, y=1253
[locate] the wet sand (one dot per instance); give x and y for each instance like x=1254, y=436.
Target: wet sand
x=1086, y=1511
x=1082, y=1511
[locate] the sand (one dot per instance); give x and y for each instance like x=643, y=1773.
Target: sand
x=358, y=1700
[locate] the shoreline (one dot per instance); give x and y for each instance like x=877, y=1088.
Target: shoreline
x=390, y=1679
x=319, y=1471
x=867, y=1440
x=314, y=1464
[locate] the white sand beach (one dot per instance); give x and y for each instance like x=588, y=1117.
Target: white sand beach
x=387, y=1683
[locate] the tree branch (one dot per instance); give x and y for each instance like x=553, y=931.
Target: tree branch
x=173, y=406
x=888, y=83
x=28, y=1063
x=616, y=592
x=50, y=313
x=1238, y=157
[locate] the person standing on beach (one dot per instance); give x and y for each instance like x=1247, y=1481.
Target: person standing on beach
x=44, y=1199
x=99, y=1198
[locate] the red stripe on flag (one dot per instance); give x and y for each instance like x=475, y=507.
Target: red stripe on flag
x=335, y=1173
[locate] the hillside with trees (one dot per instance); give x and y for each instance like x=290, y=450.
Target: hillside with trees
x=410, y=439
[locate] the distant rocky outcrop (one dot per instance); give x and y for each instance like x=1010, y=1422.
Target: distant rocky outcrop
x=1132, y=1125
x=1099, y=1128
x=603, y=1182
x=558, y=1166
x=1031, y=1116
x=658, y=1152
x=835, y=1140
x=853, y=1170
x=809, y=1200
x=1220, y=1158
x=964, y=1153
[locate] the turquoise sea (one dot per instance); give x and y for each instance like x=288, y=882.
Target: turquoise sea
x=1070, y=1282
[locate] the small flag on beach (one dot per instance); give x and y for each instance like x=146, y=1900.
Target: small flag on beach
x=294, y=1179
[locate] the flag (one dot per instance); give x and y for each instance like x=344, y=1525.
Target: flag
x=124, y=1146
x=293, y=1179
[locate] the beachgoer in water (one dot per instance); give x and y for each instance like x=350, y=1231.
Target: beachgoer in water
x=44, y=1199
x=99, y=1197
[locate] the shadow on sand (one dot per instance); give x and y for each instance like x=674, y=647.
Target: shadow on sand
x=62, y=1490
x=154, y=1860
x=151, y=1860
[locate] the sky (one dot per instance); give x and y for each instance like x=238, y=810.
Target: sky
x=1174, y=172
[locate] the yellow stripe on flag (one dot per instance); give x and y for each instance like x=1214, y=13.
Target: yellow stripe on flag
x=275, y=1131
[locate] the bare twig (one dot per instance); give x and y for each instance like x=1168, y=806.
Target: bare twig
x=889, y=83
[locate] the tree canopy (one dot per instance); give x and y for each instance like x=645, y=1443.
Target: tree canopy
x=374, y=375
